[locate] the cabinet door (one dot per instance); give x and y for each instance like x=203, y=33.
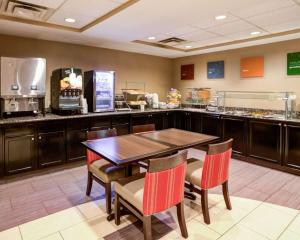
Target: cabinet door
x=140, y=119
x=2, y=163
x=265, y=140
x=51, y=148
x=196, y=122
x=184, y=121
x=169, y=120
x=76, y=134
x=100, y=123
x=211, y=124
x=122, y=128
x=235, y=128
x=292, y=146
x=156, y=119
x=19, y=153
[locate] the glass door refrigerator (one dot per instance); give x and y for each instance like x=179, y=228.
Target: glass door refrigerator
x=99, y=90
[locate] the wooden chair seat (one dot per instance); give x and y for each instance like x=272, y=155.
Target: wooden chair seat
x=107, y=172
x=132, y=190
x=194, y=171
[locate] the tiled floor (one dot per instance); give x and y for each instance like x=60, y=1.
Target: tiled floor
x=52, y=205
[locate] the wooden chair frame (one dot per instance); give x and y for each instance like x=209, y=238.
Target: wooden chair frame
x=155, y=165
x=213, y=149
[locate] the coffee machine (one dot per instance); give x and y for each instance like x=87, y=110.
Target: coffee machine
x=66, y=91
x=22, y=86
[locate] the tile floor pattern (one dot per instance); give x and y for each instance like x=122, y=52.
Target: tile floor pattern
x=52, y=205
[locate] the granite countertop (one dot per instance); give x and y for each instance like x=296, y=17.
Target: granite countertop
x=54, y=117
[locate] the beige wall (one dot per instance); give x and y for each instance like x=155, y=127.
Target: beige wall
x=156, y=72
x=275, y=78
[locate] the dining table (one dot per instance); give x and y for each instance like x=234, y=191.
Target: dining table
x=127, y=150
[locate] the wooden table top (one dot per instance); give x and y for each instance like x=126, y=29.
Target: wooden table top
x=127, y=149
x=178, y=138
x=124, y=149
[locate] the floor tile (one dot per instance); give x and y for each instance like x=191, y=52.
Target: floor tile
x=242, y=203
x=55, y=236
x=285, y=198
x=295, y=225
x=51, y=224
x=92, y=209
x=287, y=210
x=222, y=219
x=289, y=235
x=241, y=233
x=92, y=229
x=251, y=194
x=57, y=204
x=11, y=234
x=267, y=221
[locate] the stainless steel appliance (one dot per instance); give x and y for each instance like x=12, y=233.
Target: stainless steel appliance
x=22, y=85
x=66, y=90
x=99, y=90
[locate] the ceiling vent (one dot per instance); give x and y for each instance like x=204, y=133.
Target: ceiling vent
x=22, y=9
x=172, y=41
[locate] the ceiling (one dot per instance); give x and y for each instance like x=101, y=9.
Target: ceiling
x=119, y=25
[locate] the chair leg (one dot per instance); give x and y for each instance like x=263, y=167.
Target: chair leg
x=204, y=203
x=89, y=183
x=226, y=195
x=108, y=197
x=117, y=209
x=147, y=227
x=181, y=219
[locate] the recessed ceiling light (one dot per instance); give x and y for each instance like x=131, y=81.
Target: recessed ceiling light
x=151, y=38
x=221, y=17
x=188, y=46
x=70, y=20
x=255, y=33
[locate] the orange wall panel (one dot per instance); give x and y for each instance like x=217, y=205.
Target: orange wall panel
x=252, y=67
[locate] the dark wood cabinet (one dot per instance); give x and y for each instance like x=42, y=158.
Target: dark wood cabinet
x=184, y=121
x=196, y=122
x=265, y=140
x=121, y=123
x=292, y=146
x=211, y=124
x=152, y=118
x=75, y=135
x=19, y=150
x=100, y=123
x=169, y=120
x=51, y=148
x=235, y=128
x=2, y=163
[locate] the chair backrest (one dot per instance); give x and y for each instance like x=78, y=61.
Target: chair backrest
x=216, y=164
x=143, y=128
x=92, y=135
x=164, y=183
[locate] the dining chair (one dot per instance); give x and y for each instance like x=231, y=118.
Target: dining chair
x=202, y=176
x=157, y=190
x=102, y=171
x=143, y=128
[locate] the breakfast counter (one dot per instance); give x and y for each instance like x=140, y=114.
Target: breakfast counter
x=30, y=143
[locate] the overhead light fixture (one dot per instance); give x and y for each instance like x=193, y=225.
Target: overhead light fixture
x=221, y=17
x=255, y=33
x=188, y=46
x=151, y=38
x=70, y=20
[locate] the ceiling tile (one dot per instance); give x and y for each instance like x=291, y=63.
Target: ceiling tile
x=213, y=41
x=276, y=17
x=265, y=6
x=230, y=28
x=246, y=34
x=182, y=31
x=46, y=3
x=207, y=22
x=286, y=26
x=199, y=35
